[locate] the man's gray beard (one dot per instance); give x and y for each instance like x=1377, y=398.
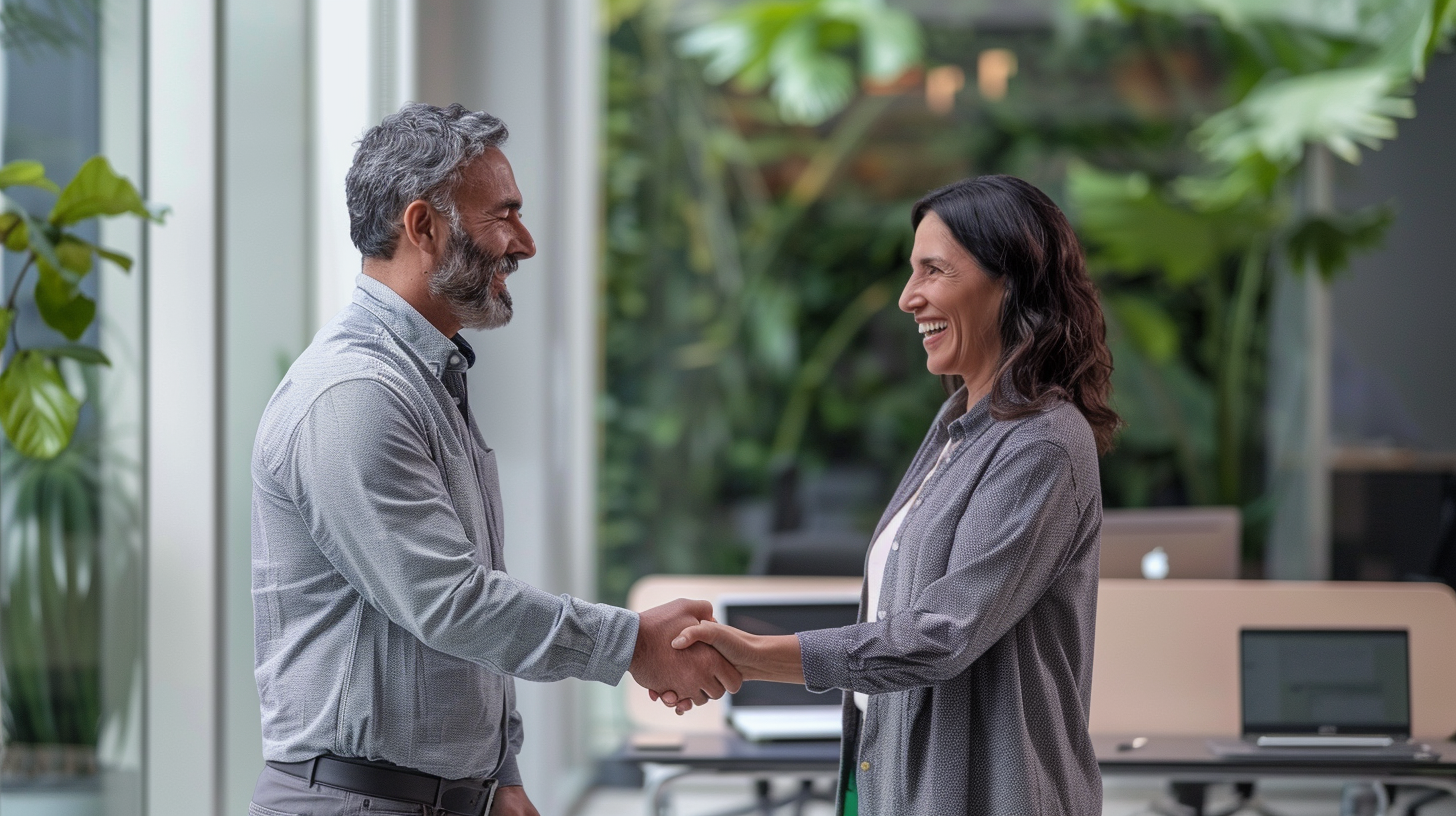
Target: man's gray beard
x=465, y=278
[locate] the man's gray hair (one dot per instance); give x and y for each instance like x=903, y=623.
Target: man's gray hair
x=416, y=153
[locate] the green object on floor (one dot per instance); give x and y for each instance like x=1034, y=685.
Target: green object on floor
x=851, y=798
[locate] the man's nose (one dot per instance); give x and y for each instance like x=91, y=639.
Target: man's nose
x=526, y=245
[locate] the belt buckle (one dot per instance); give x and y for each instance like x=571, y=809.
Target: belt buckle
x=467, y=797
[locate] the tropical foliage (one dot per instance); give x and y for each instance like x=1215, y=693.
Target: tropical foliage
x=760, y=164
x=1218, y=230
x=37, y=410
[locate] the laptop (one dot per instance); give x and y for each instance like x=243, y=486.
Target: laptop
x=1170, y=542
x=763, y=711
x=1323, y=694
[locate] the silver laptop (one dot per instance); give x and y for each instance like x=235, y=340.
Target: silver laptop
x=1324, y=694
x=763, y=711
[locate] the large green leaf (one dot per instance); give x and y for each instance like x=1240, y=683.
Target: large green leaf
x=24, y=173
x=890, y=42
x=61, y=304
x=727, y=45
x=1148, y=325
x=797, y=49
x=1340, y=109
x=37, y=411
x=13, y=231
x=7, y=317
x=810, y=85
x=98, y=190
x=1444, y=27
x=75, y=255
x=120, y=259
x=81, y=354
x=1328, y=240
x=1132, y=228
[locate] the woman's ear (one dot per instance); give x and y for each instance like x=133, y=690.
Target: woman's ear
x=425, y=229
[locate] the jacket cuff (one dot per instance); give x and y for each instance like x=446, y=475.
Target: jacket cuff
x=616, y=641
x=825, y=655
x=509, y=773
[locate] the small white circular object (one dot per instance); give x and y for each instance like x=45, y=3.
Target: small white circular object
x=1155, y=564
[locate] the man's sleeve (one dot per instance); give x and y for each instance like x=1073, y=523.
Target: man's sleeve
x=376, y=504
x=1011, y=543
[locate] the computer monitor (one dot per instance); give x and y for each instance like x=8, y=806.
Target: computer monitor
x=1325, y=682
x=784, y=615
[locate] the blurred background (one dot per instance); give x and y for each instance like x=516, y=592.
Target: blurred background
x=707, y=372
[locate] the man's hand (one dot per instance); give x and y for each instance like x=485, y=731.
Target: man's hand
x=512, y=801
x=695, y=674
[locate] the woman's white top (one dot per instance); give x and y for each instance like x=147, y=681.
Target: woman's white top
x=880, y=551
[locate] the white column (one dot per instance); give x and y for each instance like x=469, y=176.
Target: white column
x=342, y=98
x=122, y=417
x=535, y=65
x=1298, y=436
x=265, y=313
x=183, y=516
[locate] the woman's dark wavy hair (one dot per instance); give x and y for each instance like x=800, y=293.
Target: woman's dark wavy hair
x=1053, y=338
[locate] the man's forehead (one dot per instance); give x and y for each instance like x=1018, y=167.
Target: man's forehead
x=488, y=179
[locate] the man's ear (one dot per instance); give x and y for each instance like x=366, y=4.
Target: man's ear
x=425, y=228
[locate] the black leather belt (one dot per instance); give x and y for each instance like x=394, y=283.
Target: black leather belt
x=468, y=797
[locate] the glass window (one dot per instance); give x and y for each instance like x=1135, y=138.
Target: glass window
x=71, y=526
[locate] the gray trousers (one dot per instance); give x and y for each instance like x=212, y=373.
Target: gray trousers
x=281, y=794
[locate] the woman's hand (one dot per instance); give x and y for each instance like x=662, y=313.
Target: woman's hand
x=757, y=657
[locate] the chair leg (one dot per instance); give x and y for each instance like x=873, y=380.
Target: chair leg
x=1416, y=805
x=1191, y=795
x=764, y=795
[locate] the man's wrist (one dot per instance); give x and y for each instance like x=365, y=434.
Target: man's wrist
x=616, y=649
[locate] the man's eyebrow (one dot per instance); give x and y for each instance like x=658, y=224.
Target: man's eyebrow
x=509, y=204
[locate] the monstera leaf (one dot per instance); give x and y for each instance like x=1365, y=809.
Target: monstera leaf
x=800, y=50
x=1132, y=227
x=1341, y=110
x=1328, y=240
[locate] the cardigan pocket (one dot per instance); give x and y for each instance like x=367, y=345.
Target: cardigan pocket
x=917, y=736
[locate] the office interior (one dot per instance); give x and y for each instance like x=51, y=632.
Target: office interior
x=625, y=477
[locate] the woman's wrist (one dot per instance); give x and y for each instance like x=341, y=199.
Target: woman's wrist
x=775, y=658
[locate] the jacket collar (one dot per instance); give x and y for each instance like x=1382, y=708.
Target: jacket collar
x=439, y=352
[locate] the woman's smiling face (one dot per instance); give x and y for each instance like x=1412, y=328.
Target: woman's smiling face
x=955, y=303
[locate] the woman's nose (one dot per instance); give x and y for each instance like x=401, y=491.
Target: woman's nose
x=910, y=298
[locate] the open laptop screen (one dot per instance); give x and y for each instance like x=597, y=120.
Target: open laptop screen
x=780, y=618
x=1325, y=682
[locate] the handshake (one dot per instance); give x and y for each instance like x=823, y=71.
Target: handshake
x=684, y=658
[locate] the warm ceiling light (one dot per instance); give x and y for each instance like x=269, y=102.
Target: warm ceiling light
x=994, y=69
x=941, y=86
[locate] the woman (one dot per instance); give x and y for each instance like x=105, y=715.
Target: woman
x=971, y=670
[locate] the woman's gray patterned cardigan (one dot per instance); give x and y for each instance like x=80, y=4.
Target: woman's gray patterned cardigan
x=979, y=669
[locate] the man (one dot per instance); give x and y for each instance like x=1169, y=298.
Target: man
x=386, y=628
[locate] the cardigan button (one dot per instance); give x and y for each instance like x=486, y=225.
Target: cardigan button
x=864, y=766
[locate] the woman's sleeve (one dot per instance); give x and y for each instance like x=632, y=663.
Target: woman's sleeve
x=1011, y=543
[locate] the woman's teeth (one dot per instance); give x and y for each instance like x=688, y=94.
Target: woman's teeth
x=933, y=327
